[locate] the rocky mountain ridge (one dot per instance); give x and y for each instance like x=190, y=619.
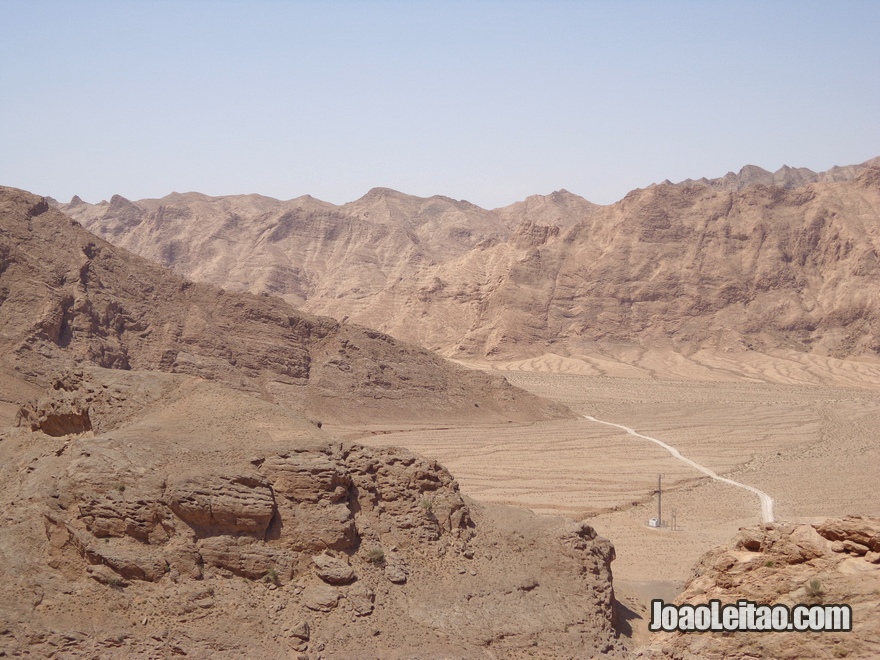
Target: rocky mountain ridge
x=69, y=298
x=785, y=177
x=783, y=263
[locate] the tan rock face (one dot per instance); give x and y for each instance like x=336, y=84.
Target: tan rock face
x=858, y=531
x=107, y=511
x=73, y=300
x=307, y=477
x=244, y=557
x=223, y=505
x=787, y=564
x=751, y=261
x=234, y=523
x=277, y=544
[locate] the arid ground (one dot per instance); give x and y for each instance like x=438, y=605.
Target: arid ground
x=805, y=435
x=734, y=333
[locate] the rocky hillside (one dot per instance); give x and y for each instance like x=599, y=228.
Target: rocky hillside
x=758, y=262
x=171, y=491
x=69, y=298
x=179, y=517
x=692, y=267
x=835, y=562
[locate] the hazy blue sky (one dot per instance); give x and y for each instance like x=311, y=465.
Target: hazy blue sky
x=485, y=101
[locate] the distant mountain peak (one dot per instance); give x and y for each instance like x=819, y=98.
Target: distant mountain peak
x=381, y=192
x=785, y=177
x=752, y=170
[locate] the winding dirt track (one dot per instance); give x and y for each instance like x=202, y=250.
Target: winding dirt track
x=766, y=500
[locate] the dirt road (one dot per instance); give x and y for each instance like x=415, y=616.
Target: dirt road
x=766, y=500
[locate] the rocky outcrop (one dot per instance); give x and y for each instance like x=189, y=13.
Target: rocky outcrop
x=231, y=505
x=79, y=401
x=217, y=527
x=64, y=411
x=55, y=419
x=855, y=533
x=191, y=516
x=294, y=505
x=786, y=564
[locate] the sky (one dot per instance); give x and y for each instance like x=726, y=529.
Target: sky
x=484, y=101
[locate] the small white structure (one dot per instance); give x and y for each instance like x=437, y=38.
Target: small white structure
x=653, y=522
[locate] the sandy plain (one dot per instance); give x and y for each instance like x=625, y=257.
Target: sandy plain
x=801, y=428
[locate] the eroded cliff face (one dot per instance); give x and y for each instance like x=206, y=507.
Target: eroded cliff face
x=689, y=268
x=206, y=522
x=834, y=562
x=758, y=261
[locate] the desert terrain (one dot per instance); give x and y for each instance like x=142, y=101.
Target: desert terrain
x=801, y=430
x=203, y=462
x=168, y=488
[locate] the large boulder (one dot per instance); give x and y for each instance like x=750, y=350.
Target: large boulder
x=212, y=505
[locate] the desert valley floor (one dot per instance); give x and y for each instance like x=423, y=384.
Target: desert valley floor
x=807, y=438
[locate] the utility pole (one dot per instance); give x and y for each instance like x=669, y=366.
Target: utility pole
x=659, y=501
